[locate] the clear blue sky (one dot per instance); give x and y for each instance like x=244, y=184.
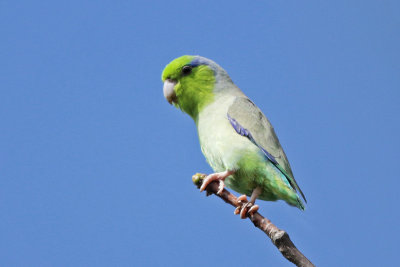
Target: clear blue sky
x=96, y=166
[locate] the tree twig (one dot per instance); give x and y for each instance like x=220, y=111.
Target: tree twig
x=278, y=237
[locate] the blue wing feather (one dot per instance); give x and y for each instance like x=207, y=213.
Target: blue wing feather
x=244, y=132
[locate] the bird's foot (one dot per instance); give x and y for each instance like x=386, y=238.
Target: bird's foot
x=218, y=176
x=245, y=208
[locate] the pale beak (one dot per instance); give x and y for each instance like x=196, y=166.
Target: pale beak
x=169, y=92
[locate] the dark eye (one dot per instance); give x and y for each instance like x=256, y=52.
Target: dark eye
x=186, y=70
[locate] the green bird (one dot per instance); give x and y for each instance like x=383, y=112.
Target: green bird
x=236, y=138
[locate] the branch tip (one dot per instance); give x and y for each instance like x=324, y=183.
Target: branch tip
x=198, y=179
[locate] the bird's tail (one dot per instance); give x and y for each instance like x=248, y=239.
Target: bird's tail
x=300, y=204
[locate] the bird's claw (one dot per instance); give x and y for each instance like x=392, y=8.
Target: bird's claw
x=220, y=188
x=242, y=199
x=245, y=208
x=253, y=209
x=220, y=177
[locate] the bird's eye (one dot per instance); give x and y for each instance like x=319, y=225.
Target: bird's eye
x=186, y=70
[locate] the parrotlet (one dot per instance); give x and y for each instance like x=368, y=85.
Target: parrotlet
x=236, y=138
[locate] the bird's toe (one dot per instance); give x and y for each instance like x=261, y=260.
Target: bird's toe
x=246, y=209
x=253, y=209
x=241, y=199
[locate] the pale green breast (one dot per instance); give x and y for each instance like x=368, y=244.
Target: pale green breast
x=219, y=142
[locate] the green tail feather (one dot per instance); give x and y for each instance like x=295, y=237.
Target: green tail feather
x=292, y=183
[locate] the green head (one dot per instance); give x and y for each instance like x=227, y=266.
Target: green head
x=189, y=83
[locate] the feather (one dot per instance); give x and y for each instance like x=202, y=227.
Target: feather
x=256, y=127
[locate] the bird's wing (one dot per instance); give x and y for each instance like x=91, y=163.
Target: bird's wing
x=248, y=120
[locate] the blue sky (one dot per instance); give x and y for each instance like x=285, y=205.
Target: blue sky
x=96, y=166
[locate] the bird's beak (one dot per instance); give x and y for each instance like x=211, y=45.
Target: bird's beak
x=169, y=92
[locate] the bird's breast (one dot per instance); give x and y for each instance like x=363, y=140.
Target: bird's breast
x=219, y=142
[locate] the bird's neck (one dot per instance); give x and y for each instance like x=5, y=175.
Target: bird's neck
x=193, y=98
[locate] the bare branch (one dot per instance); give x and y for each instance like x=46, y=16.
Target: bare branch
x=278, y=237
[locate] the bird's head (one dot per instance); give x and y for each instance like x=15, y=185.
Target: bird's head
x=189, y=83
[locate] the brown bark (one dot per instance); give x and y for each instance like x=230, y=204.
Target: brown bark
x=278, y=237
